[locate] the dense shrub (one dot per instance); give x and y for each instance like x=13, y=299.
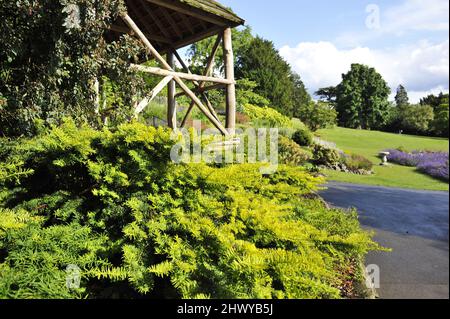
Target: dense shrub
x=291, y=153
x=303, y=138
x=136, y=224
x=435, y=164
x=36, y=256
x=325, y=156
x=403, y=157
x=295, y=126
x=356, y=162
x=266, y=116
x=401, y=149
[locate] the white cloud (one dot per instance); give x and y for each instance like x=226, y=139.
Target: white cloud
x=411, y=16
x=421, y=67
x=414, y=15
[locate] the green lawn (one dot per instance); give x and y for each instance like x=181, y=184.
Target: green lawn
x=370, y=143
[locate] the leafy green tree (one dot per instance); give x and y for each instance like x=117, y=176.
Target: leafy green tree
x=435, y=101
x=257, y=61
x=439, y=103
x=199, y=52
x=417, y=119
x=328, y=94
x=300, y=96
x=393, y=119
x=245, y=94
x=362, y=98
x=401, y=99
x=318, y=115
x=441, y=121
x=263, y=64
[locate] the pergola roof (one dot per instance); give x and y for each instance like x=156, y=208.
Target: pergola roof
x=172, y=24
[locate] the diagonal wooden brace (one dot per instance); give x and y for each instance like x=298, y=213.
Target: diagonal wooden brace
x=143, y=104
x=208, y=71
x=127, y=19
x=198, y=86
x=166, y=66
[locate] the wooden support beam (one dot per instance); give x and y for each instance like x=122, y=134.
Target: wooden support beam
x=197, y=37
x=164, y=63
x=172, y=22
x=171, y=101
x=156, y=19
x=187, y=23
x=138, y=14
x=188, y=114
x=205, y=111
x=231, y=88
x=197, y=85
x=117, y=28
x=210, y=62
x=208, y=71
x=204, y=89
x=161, y=85
x=184, y=9
x=97, y=96
x=185, y=76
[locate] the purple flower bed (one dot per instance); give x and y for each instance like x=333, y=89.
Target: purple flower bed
x=435, y=164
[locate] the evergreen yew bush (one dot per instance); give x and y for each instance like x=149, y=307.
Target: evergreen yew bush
x=138, y=225
x=325, y=156
x=291, y=153
x=266, y=116
x=303, y=137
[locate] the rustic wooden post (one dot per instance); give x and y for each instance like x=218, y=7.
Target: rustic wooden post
x=229, y=75
x=171, y=101
x=97, y=96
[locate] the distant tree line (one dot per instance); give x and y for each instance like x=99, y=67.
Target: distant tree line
x=362, y=101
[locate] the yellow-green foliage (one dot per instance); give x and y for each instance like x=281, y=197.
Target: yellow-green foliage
x=291, y=153
x=267, y=116
x=34, y=257
x=137, y=224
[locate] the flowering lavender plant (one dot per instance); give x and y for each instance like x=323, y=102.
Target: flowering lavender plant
x=435, y=164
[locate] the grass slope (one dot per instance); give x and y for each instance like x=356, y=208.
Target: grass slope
x=370, y=143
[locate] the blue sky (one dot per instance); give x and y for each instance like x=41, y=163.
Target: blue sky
x=406, y=40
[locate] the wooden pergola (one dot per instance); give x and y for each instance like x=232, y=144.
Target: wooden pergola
x=164, y=26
